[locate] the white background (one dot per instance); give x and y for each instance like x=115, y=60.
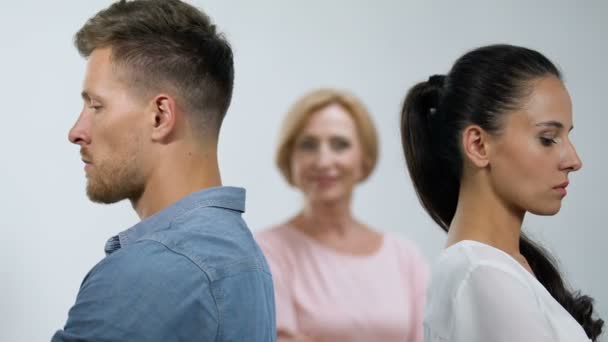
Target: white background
x=51, y=235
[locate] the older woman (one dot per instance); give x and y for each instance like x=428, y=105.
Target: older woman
x=335, y=278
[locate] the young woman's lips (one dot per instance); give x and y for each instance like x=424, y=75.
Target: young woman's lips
x=561, y=188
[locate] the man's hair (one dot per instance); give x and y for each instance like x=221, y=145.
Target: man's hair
x=166, y=46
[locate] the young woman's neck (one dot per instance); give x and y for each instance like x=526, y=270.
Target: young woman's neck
x=482, y=216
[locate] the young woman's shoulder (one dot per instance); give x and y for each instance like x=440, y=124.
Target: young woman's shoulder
x=457, y=263
x=475, y=286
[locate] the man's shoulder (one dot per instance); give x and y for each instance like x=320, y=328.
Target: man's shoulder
x=216, y=240
x=148, y=259
x=138, y=284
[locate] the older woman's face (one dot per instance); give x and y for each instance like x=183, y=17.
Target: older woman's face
x=327, y=158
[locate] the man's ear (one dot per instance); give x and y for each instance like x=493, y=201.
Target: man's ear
x=164, y=114
x=476, y=145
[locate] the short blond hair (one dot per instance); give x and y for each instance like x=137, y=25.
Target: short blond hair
x=300, y=112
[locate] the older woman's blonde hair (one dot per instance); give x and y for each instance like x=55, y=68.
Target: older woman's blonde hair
x=300, y=112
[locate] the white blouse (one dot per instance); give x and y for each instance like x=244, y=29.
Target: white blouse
x=479, y=293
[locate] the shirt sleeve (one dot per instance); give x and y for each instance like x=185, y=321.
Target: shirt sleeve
x=495, y=305
x=281, y=275
x=144, y=294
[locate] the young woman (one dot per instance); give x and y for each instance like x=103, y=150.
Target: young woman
x=485, y=144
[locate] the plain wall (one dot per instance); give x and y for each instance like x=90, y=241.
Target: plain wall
x=52, y=235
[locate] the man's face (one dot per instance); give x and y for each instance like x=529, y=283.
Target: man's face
x=110, y=132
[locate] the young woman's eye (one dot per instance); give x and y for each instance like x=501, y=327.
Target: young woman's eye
x=547, y=141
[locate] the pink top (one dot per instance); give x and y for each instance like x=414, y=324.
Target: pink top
x=331, y=296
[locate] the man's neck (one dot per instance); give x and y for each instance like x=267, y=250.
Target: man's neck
x=176, y=177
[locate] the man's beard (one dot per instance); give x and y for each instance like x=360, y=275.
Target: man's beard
x=113, y=181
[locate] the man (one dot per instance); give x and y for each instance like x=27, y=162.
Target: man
x=158, y=83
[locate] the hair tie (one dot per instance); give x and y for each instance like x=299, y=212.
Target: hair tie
x=437, y=80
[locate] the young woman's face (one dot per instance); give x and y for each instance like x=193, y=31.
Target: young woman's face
x=327, y=158
x=533, y=155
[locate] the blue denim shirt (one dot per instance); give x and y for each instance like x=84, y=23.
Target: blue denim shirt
x=191, y=272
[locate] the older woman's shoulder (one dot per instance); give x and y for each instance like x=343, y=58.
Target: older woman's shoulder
x=275, y=232
x=277, y=237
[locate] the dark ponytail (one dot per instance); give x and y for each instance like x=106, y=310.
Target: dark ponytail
x=437, y=186
x=578, y=305
x=481, y=86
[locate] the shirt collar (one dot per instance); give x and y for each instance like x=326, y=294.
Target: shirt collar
x=221, y=197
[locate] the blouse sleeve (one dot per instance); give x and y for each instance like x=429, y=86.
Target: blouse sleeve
x=420, y=276
x=277, y=259
x=493, y=304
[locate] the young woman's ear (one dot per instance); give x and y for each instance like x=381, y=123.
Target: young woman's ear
x=475, y=145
